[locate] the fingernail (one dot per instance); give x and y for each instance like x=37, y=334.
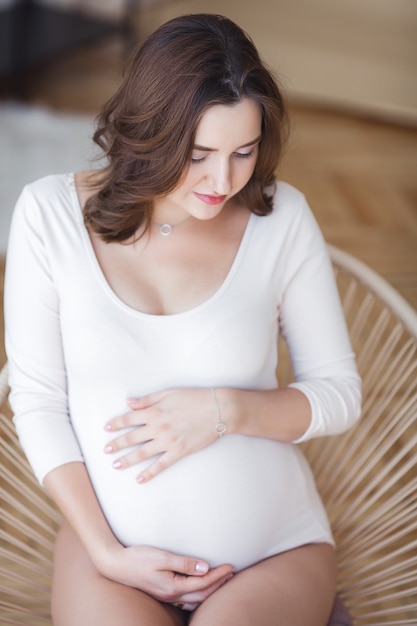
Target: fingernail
x=140, y=479
x=107, y=427
x=133, y=399
x=201, y=568
x=117, y=465
x=108, y=448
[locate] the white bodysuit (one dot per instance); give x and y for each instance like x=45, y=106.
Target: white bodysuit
x=77, y=352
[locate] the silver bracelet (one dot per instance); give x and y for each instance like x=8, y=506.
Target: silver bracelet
x=220, y=425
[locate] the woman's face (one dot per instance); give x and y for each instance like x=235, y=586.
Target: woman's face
x=223, y=160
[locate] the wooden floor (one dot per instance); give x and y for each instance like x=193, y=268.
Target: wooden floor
x=359, y=174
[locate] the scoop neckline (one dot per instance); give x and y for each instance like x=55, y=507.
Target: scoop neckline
x=153, y=316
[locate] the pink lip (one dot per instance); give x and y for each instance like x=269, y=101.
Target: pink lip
x=210, y=199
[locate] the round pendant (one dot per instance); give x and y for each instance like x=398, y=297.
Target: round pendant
x=220, y=428
x=165, y=230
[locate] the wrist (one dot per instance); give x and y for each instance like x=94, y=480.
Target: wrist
x=104, y=555
x=219, y=426
x=105, y=558
x=230, y=409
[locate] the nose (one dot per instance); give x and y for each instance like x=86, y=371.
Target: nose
x=221, y=177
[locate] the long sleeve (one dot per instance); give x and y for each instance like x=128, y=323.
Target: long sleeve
x=313, y=324
x=33, y=344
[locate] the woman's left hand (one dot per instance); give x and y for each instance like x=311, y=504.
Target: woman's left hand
x=172, y=423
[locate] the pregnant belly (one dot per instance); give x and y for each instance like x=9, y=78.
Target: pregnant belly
x=233, y=502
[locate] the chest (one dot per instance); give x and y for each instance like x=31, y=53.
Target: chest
x=230, y=338
x=168, y=275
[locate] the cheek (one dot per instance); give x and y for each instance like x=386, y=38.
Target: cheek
x=193, y=176
x=245, y=173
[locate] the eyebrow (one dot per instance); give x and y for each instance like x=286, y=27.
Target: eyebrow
x=246, y=145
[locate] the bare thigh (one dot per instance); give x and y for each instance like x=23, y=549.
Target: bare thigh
x=291, y=589
x=82, y=597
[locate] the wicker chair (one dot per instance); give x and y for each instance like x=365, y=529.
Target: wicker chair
x=367, y=476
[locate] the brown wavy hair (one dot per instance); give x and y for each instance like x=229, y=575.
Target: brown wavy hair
x=147, y=129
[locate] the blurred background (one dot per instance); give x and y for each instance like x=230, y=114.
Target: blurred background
x=349, y=69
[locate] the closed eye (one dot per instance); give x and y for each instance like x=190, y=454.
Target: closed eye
x=201, y=152
x=244, y=155
x=197, y=159
x=238, y=155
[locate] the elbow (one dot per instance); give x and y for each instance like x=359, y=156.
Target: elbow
x=351, y=406
x=336, y=405
x=356, y=401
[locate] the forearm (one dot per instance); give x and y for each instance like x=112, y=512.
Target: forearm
x=70, y=488
x=279, y=414
x=311, y=408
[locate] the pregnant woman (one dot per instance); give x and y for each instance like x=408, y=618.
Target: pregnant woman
x=143, y=305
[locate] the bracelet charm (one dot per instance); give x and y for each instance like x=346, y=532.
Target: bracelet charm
x=220, y=425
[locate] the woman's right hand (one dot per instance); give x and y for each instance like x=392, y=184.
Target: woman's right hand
x=165, y=576
x=179, y=580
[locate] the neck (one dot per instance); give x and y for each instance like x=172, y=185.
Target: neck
x=166, y=229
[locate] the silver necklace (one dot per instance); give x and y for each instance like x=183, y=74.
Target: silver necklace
x=166, y=229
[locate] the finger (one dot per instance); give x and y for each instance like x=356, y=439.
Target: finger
x=159, y=465
x=183, y=565
x=199, y=596
x=191, y=566
x=186, y=606
x=126, y=420
x=140, y=454
x=167, y=449
x=143, y=402
x=196, y=588
x=134, y=437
